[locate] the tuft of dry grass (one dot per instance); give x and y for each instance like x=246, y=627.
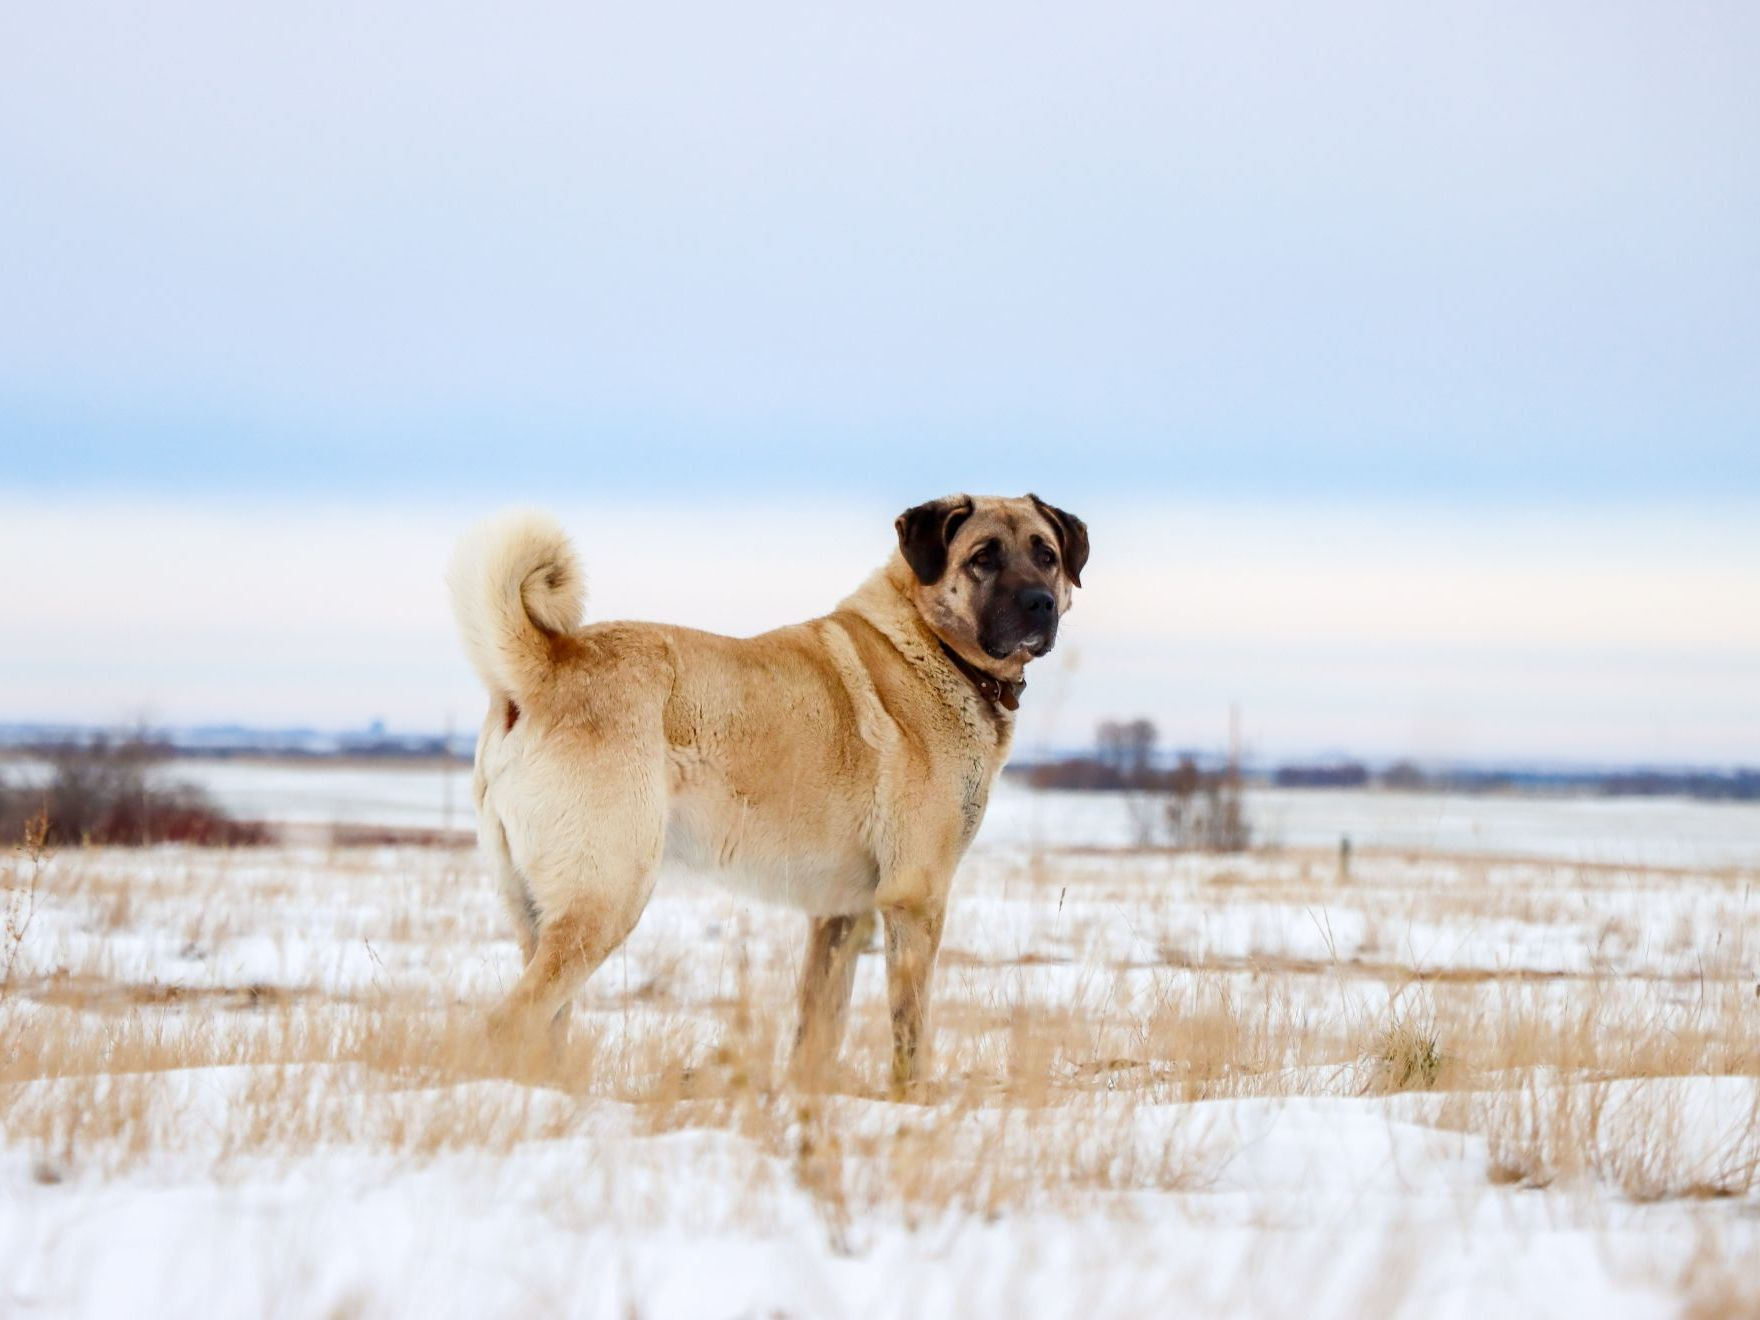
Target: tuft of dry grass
x=1407, y=1057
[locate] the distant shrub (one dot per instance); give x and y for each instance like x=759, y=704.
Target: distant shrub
x=1343, y=774
x=1406, y=776
x=1191, y=808
x=1205, y=812
x=102, y=792
x=1712, y=785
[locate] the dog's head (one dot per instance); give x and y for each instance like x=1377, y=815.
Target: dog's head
x=992, y=575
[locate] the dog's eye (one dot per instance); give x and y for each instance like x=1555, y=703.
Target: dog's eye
x=985, y=558
x=1046, y=558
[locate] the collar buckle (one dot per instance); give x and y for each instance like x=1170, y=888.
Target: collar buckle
x=1004, y=692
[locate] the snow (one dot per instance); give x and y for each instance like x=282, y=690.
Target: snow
x=1299, y=1190
x=1325, y=1208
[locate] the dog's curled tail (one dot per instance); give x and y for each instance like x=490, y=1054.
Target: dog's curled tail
x=516, y=583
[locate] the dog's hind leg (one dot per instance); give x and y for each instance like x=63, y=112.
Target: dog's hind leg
x=833, y=946
x=522, y=908
x=588, y=890
x=570, y=946
x=527, y=924
x=522, y=911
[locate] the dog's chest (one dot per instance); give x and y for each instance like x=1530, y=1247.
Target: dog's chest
x=974, y=796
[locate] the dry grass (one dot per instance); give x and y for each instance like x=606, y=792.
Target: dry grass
x=23, y=889
x=250, y=1007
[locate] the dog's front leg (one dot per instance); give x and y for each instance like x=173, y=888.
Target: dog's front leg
x=913, y=937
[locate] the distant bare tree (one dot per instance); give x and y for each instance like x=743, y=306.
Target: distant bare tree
x=1128, y=747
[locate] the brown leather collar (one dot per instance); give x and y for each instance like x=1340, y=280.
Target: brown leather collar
x=1004, y=692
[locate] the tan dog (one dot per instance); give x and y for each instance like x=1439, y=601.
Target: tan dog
x=840, y=766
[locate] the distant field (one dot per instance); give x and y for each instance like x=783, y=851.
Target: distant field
x=1508, y=1063
x=1619, y=831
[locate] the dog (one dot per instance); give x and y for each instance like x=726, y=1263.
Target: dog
x=840, y=766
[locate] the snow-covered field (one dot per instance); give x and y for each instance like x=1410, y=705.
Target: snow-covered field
x=1507, y=1063
x=1623, y=831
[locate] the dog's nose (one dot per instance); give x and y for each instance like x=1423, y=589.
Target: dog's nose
x=1035, y=600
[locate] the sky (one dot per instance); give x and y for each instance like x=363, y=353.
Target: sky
x=1404, y=362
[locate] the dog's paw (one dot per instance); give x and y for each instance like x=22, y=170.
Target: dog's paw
x=919, y=1091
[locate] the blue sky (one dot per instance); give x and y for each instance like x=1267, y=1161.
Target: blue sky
x=1345, y=261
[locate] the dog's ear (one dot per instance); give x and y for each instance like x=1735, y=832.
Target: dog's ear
x=925, y=532
x=1072, y=538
